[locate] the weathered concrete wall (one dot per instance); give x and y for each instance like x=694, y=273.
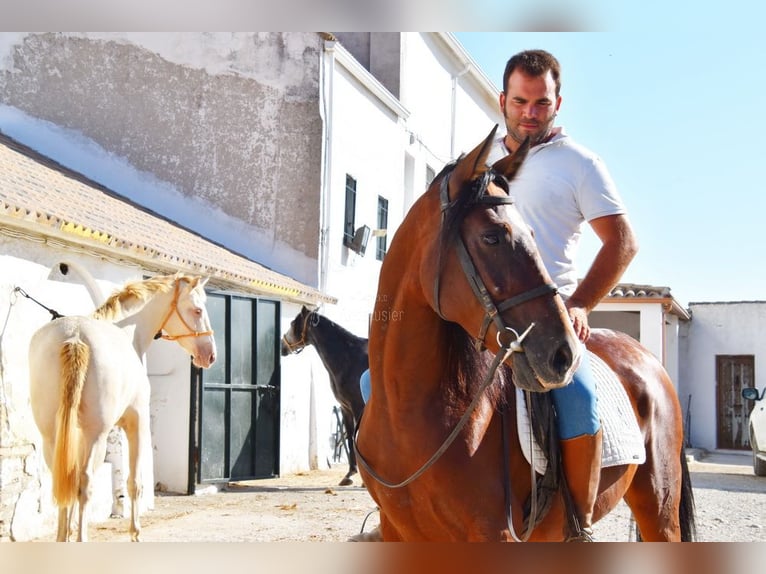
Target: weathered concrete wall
x=229, y=118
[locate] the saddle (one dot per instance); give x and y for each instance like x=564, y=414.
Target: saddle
x=622, y=439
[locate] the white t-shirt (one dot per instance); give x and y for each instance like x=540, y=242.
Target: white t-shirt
x=560, y=185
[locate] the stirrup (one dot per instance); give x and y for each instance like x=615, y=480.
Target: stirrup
x=584, y=535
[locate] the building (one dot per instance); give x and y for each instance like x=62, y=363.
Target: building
x=265, y=160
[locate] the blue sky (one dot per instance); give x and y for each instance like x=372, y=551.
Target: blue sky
x=675, y=112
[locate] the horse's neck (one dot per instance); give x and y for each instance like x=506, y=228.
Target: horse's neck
x=145, y=323
x=413, y=348
x=328, y=340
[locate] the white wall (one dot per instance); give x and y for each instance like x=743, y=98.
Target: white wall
x=717, y=329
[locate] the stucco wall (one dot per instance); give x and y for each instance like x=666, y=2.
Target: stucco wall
x=228, y=118
x=717, y=329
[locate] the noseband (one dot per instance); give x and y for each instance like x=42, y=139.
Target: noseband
x=299, y=345
x=492, y=311
x=174, y=309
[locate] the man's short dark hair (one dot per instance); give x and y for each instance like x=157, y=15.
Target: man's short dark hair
x=533, y=63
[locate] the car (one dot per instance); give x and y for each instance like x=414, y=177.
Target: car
x=757, y=426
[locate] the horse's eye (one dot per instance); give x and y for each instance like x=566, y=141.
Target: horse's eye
x=490, y=239
x=198, y=311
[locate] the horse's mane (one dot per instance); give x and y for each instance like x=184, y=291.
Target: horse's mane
x=133, y=296
x=468, y=366
x=343, y=331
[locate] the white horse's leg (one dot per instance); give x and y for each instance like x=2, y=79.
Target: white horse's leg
x=139, y=439
x=65, y=515
x=95, y=458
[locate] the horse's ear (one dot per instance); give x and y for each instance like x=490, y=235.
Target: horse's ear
x=510, y=164
x=203, y=281
x=471, y=165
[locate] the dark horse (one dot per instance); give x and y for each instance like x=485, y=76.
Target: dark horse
x=476, y=316
x=344, y=355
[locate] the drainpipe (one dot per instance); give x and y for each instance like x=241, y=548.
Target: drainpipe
x=326, y=74
x=453, y=112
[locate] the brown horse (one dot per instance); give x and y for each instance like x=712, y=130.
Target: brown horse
x=465, y=311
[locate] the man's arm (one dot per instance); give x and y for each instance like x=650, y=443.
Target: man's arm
x=618, y=248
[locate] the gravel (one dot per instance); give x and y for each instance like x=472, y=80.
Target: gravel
x=730, y=503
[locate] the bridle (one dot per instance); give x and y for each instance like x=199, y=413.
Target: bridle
x=174, y=309
x=492, y=311
x=508, y=339
x=300, y=344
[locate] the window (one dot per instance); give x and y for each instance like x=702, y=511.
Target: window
x=348, y=229
x=380, y=251
x=430, y=175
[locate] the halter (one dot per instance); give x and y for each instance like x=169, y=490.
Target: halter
x=492, y=311
x=299, y=345
x=174, y=309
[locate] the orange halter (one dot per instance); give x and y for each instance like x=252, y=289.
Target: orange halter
x=174, y=309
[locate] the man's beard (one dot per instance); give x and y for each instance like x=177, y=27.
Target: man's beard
x=538, y=137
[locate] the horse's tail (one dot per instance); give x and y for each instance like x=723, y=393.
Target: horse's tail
x=686, y=507
x=74, y=357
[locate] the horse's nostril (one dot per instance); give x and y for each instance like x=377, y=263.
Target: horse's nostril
x=562, y=359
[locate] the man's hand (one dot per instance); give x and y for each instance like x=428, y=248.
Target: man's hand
x=579, y=318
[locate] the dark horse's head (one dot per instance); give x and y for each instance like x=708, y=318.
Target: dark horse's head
x=488, y=276
x=294, y=339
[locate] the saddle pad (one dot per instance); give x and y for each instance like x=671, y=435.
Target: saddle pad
x=622, y=441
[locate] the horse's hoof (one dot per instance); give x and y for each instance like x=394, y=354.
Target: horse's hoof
x=346, y=481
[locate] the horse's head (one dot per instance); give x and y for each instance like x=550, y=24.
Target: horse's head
x=488, y=277
x=294, y=340
x=187, y=321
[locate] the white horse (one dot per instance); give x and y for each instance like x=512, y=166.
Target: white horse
x=87, y=375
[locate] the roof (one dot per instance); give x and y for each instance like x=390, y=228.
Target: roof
x=624, y=292
x=41, y=198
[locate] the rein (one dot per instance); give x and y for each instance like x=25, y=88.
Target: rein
x=174, y=309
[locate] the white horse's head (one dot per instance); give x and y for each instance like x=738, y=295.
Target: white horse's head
x=188, y=323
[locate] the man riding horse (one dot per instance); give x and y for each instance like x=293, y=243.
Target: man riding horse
x=560, y=185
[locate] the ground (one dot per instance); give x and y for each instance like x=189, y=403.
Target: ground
x=730, y=501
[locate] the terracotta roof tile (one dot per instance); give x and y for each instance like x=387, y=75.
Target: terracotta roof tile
x=49, y=199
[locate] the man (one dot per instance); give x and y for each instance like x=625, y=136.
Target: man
x=560, y=185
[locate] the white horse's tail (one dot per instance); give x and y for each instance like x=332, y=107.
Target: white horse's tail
x=67, y=460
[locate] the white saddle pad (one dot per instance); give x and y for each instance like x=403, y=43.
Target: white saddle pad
x=622, y=441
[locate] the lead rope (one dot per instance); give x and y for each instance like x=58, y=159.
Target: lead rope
x=54, y=314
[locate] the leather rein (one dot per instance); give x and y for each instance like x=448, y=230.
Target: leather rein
x=508, y=339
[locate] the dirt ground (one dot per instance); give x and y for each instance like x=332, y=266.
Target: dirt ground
x=304, y=507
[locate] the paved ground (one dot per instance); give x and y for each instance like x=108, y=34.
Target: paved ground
x=730, y=500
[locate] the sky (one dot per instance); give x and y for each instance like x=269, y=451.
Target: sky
x=675, y=113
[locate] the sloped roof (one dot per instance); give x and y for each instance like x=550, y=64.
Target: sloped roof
x=624, y=292
x=41, y=198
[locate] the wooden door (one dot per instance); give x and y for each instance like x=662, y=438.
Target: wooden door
x=734, y=372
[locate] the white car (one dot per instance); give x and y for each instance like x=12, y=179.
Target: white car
x=757, y=428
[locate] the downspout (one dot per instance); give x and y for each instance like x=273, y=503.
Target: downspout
x=453, y=111
x=326, y=74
